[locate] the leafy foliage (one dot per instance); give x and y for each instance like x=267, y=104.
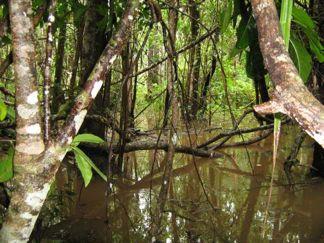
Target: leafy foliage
x=3, y=110
x=84, y=163
x=6, y=166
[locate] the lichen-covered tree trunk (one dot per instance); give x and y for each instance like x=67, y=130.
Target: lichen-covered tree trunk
x=29, y=139
x=290, y=95
x=36, y=167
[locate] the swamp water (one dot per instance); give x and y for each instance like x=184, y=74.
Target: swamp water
x=238, y=195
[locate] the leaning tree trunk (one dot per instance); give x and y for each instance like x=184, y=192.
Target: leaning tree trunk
x=290, y=96
x=40, y=166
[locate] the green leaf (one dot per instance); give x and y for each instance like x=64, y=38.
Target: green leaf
x=3, y=110
x=285, y=19
x=86, y=138
x=243, y=37
x=302, y=18
x=11, y=114
x=83, y=165
x=226, y=16
x=6, y=166
x=301, y=58
x=90, y=163
x=315, y=44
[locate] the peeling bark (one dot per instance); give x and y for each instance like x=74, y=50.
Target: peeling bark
x=290, y=96
x=32, y=186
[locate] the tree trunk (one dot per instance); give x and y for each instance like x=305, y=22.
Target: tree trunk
x=172, y=136
x=194, y=61
x=93, y=44
x=58, y=94
x=203, y=102
x=290, y=95
x=24, y=206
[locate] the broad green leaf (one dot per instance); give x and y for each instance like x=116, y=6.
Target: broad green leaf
x=302, y=60
x=226, y=16
x=90, y=163
x=87, y=138
x=83, y=165
x=3, y=110
x=6, y=166
x=315, y=44
x=302, y=18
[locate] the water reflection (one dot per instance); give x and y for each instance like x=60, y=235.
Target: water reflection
x=296, y=213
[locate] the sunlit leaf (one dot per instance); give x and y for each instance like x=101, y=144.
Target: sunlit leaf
x=90, y=163
x=3, y=110
x=6, y=166
x=302, y=18
x=87, y=138
x=83, y=165
x=285, y=19
x=226, y=16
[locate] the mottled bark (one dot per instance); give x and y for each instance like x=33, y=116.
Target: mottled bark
x=29, y=139
x=36, y=19
x=33, y=185
x=290, y=96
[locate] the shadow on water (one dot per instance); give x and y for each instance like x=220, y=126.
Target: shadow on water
x=296, y=212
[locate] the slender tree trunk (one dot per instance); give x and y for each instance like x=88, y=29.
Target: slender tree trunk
x=125, y=103
x=77, y=54
x=172, y=136
x=58, y=94
x=47, y=73
x=203, y=102
x=194, y=61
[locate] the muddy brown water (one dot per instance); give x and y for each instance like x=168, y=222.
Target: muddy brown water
x=295, y=213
